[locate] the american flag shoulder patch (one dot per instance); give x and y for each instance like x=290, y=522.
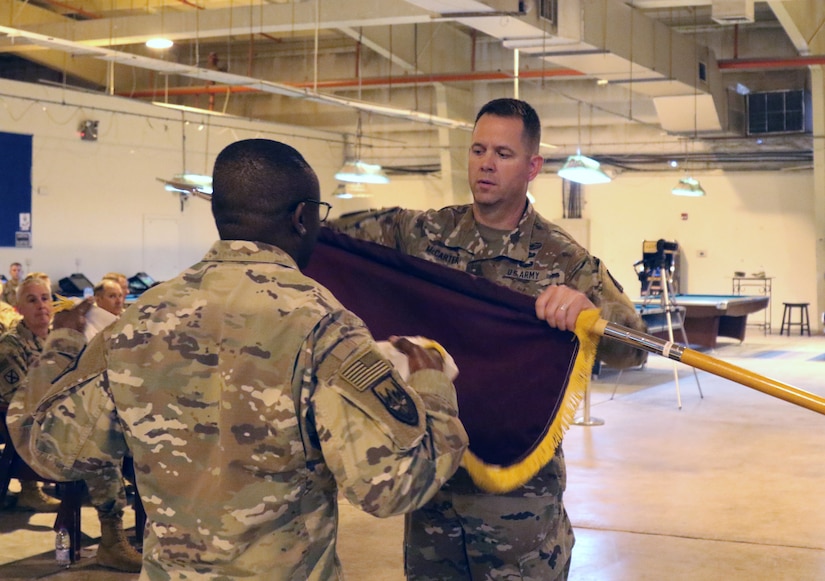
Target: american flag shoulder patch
x=366, y=371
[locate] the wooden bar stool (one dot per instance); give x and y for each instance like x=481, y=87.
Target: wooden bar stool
x=804, y=322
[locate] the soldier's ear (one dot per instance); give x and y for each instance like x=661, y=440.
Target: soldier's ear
x=298, y=219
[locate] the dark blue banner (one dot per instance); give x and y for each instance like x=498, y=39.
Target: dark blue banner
x=15, y=190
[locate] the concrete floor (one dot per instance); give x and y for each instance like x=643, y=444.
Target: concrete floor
x=730, y=487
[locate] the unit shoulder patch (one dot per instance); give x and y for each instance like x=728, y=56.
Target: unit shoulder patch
x=370, y=371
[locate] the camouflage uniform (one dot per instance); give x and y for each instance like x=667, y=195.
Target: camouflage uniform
x=247, y=394
x=465, y=533
x=8, y=317
x=19, y=351
x=10, y=292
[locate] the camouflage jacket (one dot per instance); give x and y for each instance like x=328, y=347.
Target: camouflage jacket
x=18, y=349
x=247, y=395
x=530, y=258
x=8, y=317
x=10, y=292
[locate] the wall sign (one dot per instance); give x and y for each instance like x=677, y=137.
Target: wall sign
x=16, y=190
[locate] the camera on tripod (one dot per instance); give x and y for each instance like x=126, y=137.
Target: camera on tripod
x=659, y=261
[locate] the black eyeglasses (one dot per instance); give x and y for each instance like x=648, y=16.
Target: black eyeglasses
x=323, y=208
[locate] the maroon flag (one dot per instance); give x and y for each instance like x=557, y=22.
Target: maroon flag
x=514, y=370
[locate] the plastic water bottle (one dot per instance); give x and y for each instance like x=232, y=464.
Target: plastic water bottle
x=88, y=292
x=62, y=548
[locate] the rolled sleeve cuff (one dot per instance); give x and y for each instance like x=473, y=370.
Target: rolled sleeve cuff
x=434, y=382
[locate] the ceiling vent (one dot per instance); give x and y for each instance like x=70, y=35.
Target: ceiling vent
x=732, y=11
x=779, y=112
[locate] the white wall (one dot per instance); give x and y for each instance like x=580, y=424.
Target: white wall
x=747, y=222
x=93, y=202
x=751, y=222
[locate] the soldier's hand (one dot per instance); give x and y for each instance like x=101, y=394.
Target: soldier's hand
x=418, y=357
x=560, y=306
x=74, y=318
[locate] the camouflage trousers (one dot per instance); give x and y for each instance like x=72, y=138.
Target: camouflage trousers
x=107, y=492
x=481, y=537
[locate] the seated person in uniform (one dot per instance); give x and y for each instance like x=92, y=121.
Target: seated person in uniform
x=19, y=350
x=10, y=286
x=120, y=279
x=109, y=296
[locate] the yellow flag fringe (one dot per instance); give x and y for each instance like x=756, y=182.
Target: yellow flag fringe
x=500, y=479
x=62, y=304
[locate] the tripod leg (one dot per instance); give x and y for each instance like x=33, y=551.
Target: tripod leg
x=616, y=385
x=685, y=340
x=666, y=305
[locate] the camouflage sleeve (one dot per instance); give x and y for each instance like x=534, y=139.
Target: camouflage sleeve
x=13, y=367
x=391, y=445
x=618, y=308
x=380, y=226
x=63, y=422
x=8, y=317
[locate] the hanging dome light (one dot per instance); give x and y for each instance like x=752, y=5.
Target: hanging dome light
x=360, y=172
x=689, y=187
x=583, y=170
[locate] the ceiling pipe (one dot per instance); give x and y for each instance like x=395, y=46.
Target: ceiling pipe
x=74, y=10
x=729, y=65
x=353, y=83
x=777, y=63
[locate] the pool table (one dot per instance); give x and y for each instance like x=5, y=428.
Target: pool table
x=708, y=317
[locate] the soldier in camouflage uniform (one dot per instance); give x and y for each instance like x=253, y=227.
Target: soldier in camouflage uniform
x=19, y=351
x=247, y=395
x=18, y=347
x=9, y=295
x=465, y=533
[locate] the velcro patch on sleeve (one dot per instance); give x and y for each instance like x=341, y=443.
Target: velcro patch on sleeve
x=367, y=371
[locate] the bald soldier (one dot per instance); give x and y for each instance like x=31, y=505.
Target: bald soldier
x=247, y=394
x=465, y=533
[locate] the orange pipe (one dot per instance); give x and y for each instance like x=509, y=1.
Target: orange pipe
x=778, y=63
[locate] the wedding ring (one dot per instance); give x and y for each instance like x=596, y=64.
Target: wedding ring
x=563, y=308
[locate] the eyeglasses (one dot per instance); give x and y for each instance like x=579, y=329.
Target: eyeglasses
x=323, y=208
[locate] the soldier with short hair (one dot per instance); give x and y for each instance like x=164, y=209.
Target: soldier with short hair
x=9, y=295
x=120, y=279
x=109, y=296
x=247, y=395
x=464, y=532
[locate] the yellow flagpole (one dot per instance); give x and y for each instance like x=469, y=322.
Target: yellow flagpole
x=688, y=356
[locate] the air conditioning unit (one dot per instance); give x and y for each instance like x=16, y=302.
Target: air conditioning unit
x=732, y=11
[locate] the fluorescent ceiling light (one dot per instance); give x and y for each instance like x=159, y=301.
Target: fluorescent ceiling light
x=688, y=186
x=583, y=170
x=159, y=43
x=362, y=173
